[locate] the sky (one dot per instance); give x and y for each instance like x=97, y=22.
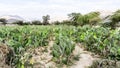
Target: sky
x=57, y=9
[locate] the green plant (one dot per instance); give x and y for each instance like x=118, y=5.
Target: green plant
x=62, y=49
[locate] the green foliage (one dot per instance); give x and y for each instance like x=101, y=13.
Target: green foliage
x=91, y=18
x=20, y=38
x=102, y=41
x=114, y=19
x=74, y=18
x=62, y=49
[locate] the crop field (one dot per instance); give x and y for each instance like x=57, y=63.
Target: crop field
x=21, y=41
x=60, y=34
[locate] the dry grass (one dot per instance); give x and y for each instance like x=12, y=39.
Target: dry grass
x=4, y=50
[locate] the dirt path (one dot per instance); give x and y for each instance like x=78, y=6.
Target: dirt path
x=86, y=59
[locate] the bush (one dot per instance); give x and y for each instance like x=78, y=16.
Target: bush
x=37, y=22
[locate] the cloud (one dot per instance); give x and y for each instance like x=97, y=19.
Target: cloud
x=57, y=9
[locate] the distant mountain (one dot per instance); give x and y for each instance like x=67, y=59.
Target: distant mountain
x=12, y=18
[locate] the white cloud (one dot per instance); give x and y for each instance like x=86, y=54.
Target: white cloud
x=58, y=9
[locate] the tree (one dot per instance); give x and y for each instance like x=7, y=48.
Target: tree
x=36, y=22
x=92, y=18
x=46, y=19
x=114, y=19
x=19, y=22
x=74, y=18
x=4, y=21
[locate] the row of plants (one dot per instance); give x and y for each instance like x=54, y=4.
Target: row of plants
x=64, y=45
x=102, y=41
